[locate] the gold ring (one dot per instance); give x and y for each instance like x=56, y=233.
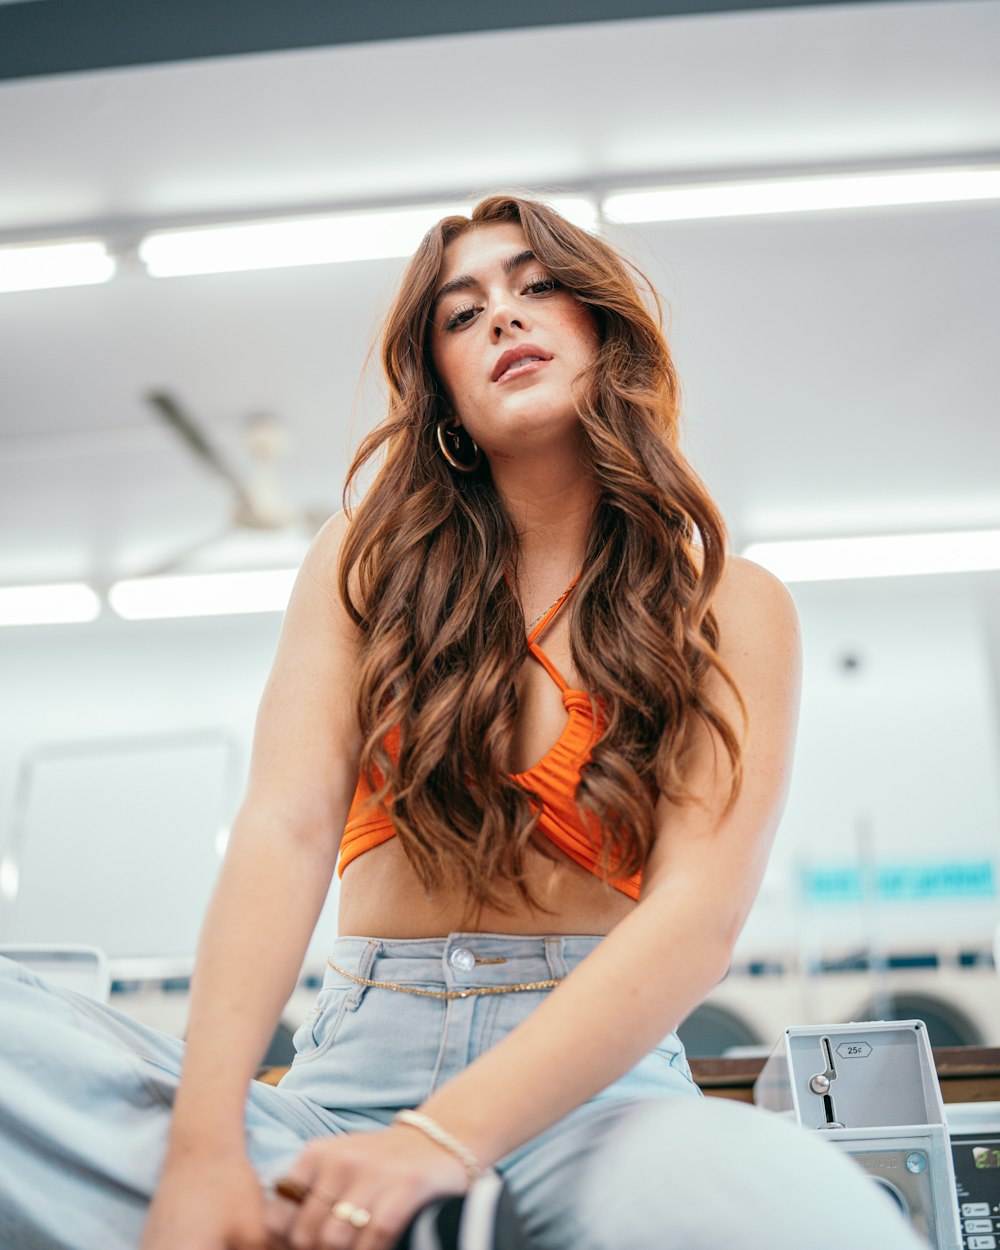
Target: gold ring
x=357, y=1217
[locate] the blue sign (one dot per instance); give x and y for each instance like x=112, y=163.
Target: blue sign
x=906, y=881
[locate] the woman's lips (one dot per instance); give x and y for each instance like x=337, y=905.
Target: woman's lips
x=516, y=370
x=518, y=360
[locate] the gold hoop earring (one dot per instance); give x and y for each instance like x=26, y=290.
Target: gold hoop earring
x=445, y=431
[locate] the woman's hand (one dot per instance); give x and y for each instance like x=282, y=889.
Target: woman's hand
x=207, y=1200
x=386, y=1175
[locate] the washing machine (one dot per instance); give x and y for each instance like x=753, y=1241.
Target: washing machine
x=956, y=991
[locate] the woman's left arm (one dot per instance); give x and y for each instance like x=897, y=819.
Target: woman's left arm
x=656, y=965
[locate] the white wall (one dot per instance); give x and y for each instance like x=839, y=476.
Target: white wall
x=136, y=739
x=897, y=765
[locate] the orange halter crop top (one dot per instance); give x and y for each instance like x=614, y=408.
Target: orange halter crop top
x=554, y=779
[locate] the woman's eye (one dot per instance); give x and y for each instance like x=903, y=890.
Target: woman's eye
x=540, y=285
x=459, y=316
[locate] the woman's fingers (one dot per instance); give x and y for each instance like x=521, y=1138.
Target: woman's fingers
x=312, y=1210
x=351, y=1222
x=359, y=1192
x=355, y=1221
x=316, y=1226
x=348, y=1223
x=283, y=1216
x=298, y=1209
x=393, y=1214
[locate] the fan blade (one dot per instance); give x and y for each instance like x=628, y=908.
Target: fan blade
x=178, y=420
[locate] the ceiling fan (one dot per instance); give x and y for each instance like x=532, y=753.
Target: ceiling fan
x=259, y=502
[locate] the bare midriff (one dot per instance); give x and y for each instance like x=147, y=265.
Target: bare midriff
x=380, y=896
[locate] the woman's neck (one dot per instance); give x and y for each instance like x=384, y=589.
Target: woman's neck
x=551, y=512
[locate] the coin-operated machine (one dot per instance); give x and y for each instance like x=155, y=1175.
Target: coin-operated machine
x=975, y=1150
x=872, y=1089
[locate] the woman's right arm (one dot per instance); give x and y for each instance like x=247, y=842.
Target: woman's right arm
x=271, y=889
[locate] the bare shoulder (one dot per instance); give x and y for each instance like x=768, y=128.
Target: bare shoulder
x=334, y=529
x=750, y=604
x=317, y=631
x=319, y=572
x=324, y=550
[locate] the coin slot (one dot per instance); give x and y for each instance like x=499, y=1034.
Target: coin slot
x=822, y=1084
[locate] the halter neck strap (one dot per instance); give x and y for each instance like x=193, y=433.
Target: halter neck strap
x=550, y=615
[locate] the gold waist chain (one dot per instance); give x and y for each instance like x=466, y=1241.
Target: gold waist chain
x=469, y=993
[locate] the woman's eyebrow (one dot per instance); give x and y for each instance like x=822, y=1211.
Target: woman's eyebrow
x=466, y=281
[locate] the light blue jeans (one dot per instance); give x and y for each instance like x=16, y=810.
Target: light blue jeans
x=648, y=1164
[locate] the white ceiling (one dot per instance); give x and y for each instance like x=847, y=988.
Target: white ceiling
x=841, y=370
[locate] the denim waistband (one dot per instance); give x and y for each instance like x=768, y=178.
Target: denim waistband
x=461, y=960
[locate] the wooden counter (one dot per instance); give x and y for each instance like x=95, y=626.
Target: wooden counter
x=966, y=1073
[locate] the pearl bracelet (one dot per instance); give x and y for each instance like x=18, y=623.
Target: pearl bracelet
x=430, y=1128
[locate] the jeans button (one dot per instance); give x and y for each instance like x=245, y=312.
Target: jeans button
x=462, y=959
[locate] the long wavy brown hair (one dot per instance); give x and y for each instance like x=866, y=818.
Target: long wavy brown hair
x=443, y=634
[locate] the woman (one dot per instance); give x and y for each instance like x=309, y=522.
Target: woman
x=622, y=783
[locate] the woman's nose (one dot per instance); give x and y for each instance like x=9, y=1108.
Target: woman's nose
x=504, y=319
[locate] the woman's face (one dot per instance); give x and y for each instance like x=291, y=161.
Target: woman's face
x=508, y=343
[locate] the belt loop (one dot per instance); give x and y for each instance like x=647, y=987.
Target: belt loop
x=373, y=948
x=555, y=957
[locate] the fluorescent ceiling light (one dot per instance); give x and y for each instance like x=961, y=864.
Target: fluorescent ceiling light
x=61, y=604
x=34, y=266
x=10, y=878
x=578, y=209
x=899, y=555
x=284, y=242
x=202, y=594
x=803, y=195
